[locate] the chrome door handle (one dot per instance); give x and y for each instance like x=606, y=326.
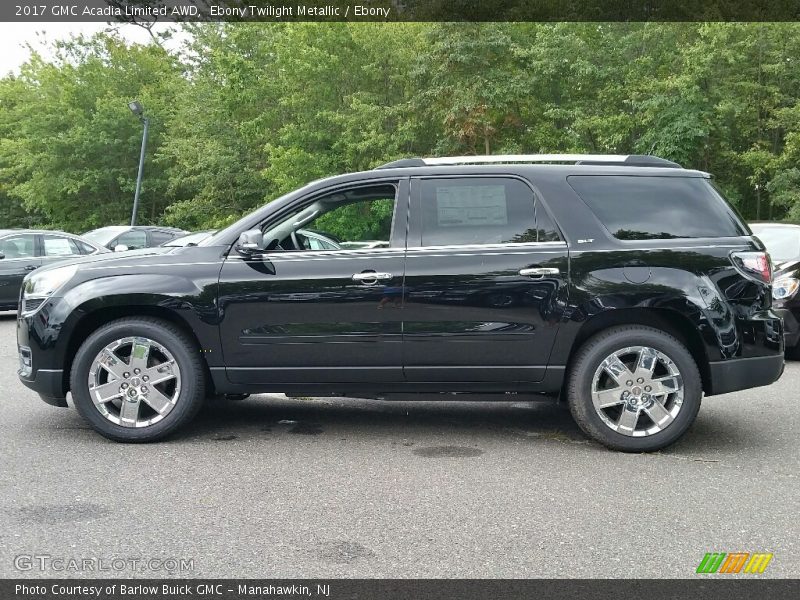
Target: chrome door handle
x=370, y=277
x=538, y=271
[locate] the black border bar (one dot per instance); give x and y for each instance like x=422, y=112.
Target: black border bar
x=397, y=10
x=702, y=587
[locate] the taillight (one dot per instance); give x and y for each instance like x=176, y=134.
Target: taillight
x=754, y=264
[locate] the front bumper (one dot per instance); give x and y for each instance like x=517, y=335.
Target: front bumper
x=41, y=356
x=743, y=373
x=48, y=383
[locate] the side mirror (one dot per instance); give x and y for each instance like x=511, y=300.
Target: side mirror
x=120, y=248
x=250, y=242
x=2, y=256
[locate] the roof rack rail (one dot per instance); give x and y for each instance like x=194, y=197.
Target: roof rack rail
x=631, y=160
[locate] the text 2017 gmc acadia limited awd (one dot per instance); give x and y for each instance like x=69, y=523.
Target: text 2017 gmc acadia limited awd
x=625, y=285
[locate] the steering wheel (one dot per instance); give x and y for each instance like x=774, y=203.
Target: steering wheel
x=295, y=241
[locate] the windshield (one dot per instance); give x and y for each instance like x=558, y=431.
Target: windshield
x=103, y=235
x=782, y=242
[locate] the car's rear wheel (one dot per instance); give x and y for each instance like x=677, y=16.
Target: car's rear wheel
x=137, y=379
x=634, y=388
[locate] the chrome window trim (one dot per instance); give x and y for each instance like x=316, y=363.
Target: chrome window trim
x=377, y=252
x=8, y=260
x=645, y=249
x=501, y=246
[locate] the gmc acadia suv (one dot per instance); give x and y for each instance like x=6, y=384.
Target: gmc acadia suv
x=625, y=285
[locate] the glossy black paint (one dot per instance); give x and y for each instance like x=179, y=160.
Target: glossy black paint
x=455, y=318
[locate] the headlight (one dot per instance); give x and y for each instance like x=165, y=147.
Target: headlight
x=46, y=283
x=784, y=288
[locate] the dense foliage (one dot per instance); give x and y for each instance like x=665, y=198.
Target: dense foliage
x=250, y=111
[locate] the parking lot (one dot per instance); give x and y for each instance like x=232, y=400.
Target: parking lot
x=277, y=487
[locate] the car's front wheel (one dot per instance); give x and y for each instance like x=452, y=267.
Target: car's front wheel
x=634, y=388
x=137, y=379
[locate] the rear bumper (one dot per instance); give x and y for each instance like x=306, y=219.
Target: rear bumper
x=743, y=373
x=49, y=384
x=791, y=327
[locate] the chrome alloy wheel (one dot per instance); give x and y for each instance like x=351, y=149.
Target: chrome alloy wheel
x=134, y=382
x=637, y=391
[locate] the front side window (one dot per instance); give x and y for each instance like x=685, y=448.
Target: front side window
x=348, y=219
x=18, y=246
x=635, y=207
x=56, y=246
x=478, y=210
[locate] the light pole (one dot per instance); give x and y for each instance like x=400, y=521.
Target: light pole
x=137, y=109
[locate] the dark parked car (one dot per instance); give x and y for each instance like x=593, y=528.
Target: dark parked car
x=122, y=238
x=783, y=243
x=625, y=285
x=22, y=251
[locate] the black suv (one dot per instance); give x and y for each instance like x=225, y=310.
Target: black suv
x=625, y=285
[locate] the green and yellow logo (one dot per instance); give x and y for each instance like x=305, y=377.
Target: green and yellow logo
x=734, y=562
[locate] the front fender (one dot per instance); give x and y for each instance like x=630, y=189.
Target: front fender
x=92, y=303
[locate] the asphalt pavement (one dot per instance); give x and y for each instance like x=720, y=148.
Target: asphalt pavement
x=315, y=488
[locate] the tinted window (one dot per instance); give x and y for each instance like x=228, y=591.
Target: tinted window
x=546, y=229
x=477, y=211
x=132, y=239
x=56, y=246
x=18, y=246
x=640, y=208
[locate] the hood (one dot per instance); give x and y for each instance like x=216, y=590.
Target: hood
x=142, y=257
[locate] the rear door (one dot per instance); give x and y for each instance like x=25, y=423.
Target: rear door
x=486, y=281
x=19, y=259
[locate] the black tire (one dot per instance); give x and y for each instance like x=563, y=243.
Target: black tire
x=190, y=398
x=588, y=359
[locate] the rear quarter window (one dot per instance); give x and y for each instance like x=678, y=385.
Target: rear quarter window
x=635, y=207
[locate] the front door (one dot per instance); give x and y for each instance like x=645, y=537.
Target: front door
x=322, y=303
x=18, y=257
x=486, y=274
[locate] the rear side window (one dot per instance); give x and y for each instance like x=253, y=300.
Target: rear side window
x=478, y=210
x=85, y=248
x=56, y=246
x=643, y=208
x=161, y=237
